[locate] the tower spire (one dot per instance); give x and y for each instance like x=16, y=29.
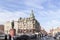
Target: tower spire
x=32, y=14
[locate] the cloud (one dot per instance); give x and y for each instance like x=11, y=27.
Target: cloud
x=52, y=24
x=8, y=16
x=47, y=12
x=49, y=19
x=33, y=4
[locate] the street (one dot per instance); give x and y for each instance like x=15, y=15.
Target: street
x=46, y=38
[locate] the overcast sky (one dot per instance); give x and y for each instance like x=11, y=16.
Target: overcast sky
x=47, y=12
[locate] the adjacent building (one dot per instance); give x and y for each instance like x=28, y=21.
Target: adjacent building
x=7, y=27
x=24, y=25
x=54, y=31
x=1, y=29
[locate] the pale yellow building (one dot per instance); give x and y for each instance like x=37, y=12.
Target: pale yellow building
x=7, y=27
x=24, y=25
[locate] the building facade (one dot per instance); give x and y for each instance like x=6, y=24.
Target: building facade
x=1, y=29
x=54, y=31
x=7, y=27
x=24, y=25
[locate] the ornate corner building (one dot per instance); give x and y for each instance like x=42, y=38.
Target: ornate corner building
x=24, y=25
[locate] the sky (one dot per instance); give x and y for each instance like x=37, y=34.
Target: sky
x=47, y=12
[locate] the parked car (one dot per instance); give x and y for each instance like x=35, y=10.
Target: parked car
x=57, y=36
